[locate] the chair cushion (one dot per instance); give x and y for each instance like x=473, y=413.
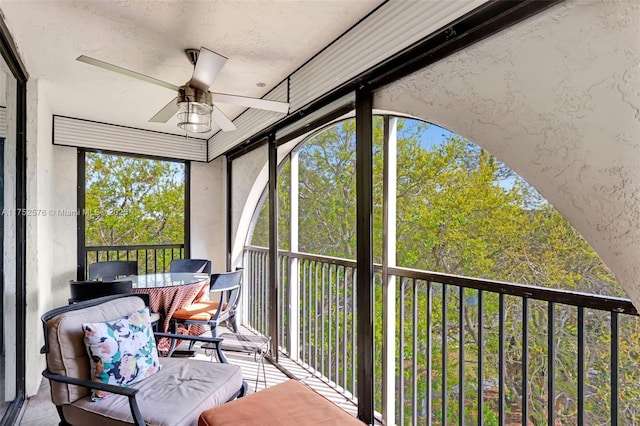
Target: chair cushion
x=190, y=385
x=67, y=352
x=200, y=311
x=121, y=351
x=287, y=404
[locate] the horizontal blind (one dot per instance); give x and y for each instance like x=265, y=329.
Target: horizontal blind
x=396, y=25
x=89, y=134
x=393, y=27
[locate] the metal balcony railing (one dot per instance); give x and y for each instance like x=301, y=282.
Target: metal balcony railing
x=153, y=258
x=463, y=350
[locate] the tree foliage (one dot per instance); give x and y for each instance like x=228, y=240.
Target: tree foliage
x=460, y=211
x=133, y=201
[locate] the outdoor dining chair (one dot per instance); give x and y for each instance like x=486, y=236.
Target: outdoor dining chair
x=212, y=312
x=112, y=269
x=190, y=265
x=87, y=290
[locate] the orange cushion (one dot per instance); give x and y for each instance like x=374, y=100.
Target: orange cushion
x=200, y=311
x=288, y=404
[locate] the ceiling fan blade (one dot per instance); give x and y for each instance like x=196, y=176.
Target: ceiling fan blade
x=110, y=67
x=207, y=68
x=265, y=104
x=166, y=113
x=223, y=121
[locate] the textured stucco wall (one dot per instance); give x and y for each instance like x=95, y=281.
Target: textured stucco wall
x=39, y=228
x=208, y=218
x=557, y=98
x=51, y=237
x=9, y=293
x=249, y=177
x=65, y=234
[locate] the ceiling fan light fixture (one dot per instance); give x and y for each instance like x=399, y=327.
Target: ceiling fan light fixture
x=194, y=110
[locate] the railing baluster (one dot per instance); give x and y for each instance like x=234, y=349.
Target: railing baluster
x=353, y=330
x=429, y=337
x=551, y=410
x=402, y=345
x=501, y=361
x=444, y=353
x=311, y=270
x=525, y=362
x=303, y=320
x=414, y=355
x=257, y=292
x=330, y=318
x=344, y=335
x=614, y=367
x=337, y=366
x=581, y=342
x=461, y=360
x=322, y=319
x=315, y=315
x=480, y=358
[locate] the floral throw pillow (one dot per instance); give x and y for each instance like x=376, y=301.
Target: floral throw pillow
x=122, y=351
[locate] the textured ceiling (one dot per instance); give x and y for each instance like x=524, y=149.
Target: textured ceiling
x=265, y=41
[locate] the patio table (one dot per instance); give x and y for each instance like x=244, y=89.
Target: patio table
x=169, y=292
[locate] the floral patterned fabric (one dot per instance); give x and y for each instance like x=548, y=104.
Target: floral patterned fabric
x=122, y=351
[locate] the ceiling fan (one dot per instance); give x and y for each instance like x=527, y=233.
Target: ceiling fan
x=194, y=103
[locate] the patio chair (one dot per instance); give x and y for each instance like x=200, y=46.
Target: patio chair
x=173, y=395
x=190, y=265
x=212, y=312
x=111, y=270
x=86, y=290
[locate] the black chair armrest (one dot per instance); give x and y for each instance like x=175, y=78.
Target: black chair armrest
x=215, y=340
x=130, y=393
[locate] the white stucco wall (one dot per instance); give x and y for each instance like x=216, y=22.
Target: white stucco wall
x=208, y=212
x=556, y=98
x=51, y=236
x=249, y=175
x=65, y=234
x=39, y=230
x=8, y=99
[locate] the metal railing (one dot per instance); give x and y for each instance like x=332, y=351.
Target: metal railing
x=153, y=258
x=467, y=351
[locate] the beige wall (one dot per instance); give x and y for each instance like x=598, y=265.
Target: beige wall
x=556, y=98
x=208, y=212
x=249, y=177
x=51, y=236
x=39, y=253
x=9, y=294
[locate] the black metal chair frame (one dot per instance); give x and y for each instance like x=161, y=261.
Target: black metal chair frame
x=86, y=290
x=229, y=285
x=129, y=392
x=190, y=265
x=112, y=269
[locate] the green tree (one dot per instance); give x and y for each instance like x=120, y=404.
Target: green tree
x=460, y=211
x=132, y=201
